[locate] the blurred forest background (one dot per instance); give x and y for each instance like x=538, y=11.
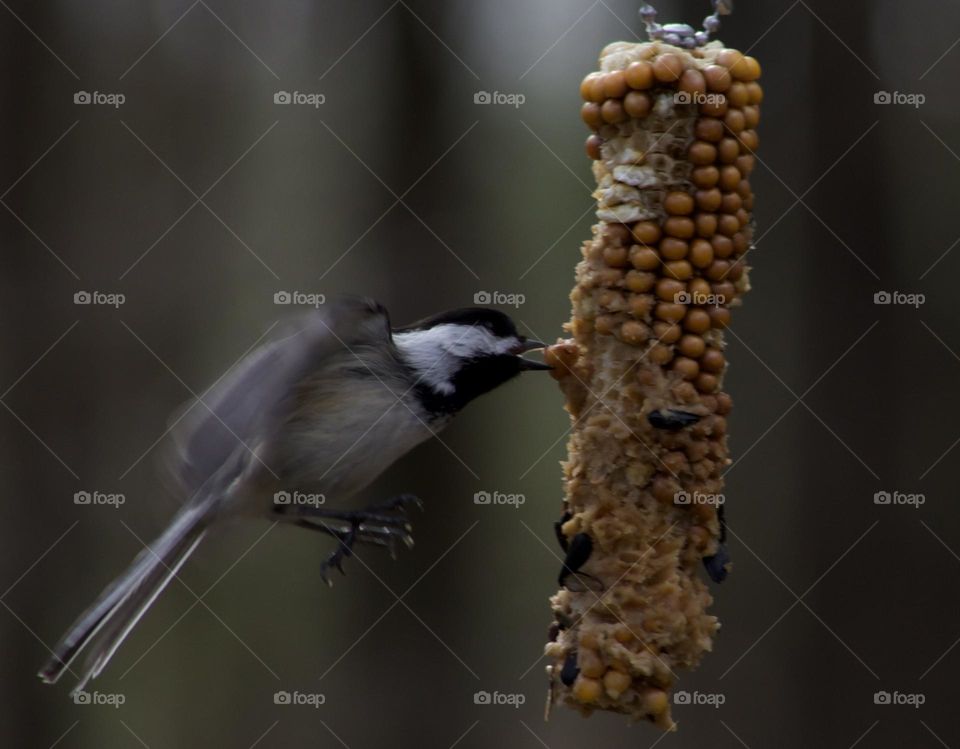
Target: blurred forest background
x=198, y=198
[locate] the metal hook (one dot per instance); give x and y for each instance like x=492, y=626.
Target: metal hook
x=680, y=34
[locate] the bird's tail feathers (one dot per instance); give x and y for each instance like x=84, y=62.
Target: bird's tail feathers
x=103, y=627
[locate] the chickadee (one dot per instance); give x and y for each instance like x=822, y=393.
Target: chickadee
x=319, y=412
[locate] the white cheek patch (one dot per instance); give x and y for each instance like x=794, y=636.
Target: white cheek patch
x=437, y=353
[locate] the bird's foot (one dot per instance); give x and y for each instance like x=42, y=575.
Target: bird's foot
x=383, y=524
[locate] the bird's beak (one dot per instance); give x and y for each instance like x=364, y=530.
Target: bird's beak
x=531, y=344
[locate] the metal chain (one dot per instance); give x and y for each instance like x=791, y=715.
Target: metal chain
x=680, y=34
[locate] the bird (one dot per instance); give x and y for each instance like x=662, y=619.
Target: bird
x=295, y=432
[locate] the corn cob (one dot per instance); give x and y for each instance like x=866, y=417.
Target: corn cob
x=674, y=131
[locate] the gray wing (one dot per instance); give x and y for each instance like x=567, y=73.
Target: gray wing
x=246, y=407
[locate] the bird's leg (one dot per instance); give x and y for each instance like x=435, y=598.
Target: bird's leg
x=344, y=550
x=339, y=533
x=382, y=524
x=391, y=513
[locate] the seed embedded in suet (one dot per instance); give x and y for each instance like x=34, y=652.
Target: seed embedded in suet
x=709, y=129
x=634, y=332
x=749, y=141
x=706, y=382
x=686, y=368
x=712, y=361
x=720, y=316
x=747, y=69
x=639, y=282
x=729, y=178
x=722, y=246
x=728, y=150
x=678, y=203
x=705, y=177
x=680, y=227
x=637, y=104
x=668, y=68
x=594, y=142
x=670, y=311
x=587, y=690
x=678, y=269
x=667, y=332
x=646, y=232
x=640, y=75
x=692, y=82
x=672, y=248
x=616, y=256
x=738, y=95
x=735, y=120
x=692, y=346
x=706, y=225
x=697, y=320
x=615, y=85
x=718, y=78
x=714, y=106
x=702, y=153
x=669, y=288
x=701, y=253
x=590, y=112
x=592, y=88
x=708, y=199
x=644, y=258
x=731, y=203
x=612, y=112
